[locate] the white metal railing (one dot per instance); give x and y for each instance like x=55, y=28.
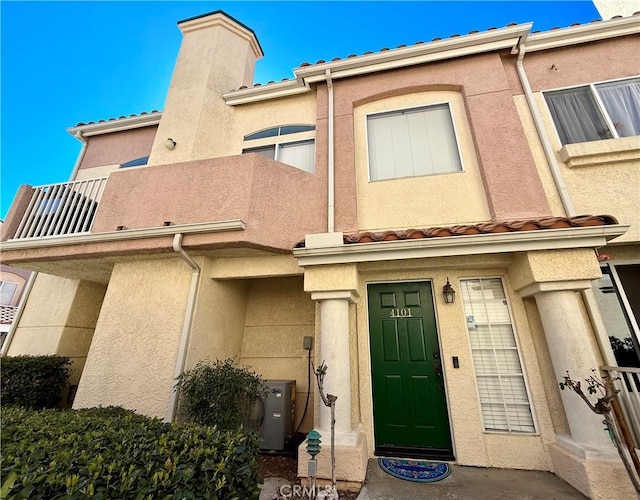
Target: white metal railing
x=627, y=381
x=63, y=208
x=7, y=313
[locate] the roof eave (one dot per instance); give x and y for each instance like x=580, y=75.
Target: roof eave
x=496, y=39
x=119, y=125
x=584, y=33
x=544, y=239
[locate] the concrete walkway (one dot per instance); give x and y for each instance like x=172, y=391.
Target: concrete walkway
x=469, y=483
x=464, y=483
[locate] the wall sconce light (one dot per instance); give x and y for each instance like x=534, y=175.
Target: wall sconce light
x=448, y=293
x=169, y=143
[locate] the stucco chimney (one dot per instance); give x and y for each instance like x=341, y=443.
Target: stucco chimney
x=217, y=54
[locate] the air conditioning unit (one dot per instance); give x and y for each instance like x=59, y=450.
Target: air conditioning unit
x=279, y=411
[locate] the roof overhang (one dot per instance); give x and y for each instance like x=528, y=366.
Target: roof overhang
x=459, y=46
x=583, y=33
x=118, y=125
x=448, y=246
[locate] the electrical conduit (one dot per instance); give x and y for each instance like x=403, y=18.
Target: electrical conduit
x=186, y=326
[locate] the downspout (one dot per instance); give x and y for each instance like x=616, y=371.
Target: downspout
x=186, y=326
x=542, y=134
x=74, y=173
x=588, y=297
x=330, y=158
x=16, y=319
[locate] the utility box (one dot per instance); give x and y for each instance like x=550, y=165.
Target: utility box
x=279, y=411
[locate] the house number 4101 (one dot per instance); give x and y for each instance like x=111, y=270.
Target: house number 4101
x=405, y=312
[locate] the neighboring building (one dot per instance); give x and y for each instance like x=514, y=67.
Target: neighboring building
x=609, y=9
x=13, y=283
x=337, y=205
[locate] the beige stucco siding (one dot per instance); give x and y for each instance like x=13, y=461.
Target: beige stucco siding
x=279, y=315
x=430, y=200
x=610, y=187
x=472, y=445
x=59, y=318
x=133, y=354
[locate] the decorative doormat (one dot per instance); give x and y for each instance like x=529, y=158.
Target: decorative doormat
x=419, y=471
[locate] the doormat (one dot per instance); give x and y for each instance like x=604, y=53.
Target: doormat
x=419, y=471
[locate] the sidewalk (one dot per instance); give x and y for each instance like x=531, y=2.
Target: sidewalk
x=469, y=483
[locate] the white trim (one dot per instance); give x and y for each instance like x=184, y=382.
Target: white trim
x=505, y=38
x=544, y=239
x=350, y=295
x=554, y=286
x=591, y=32
x=505, y=290
x=624, y=299
x=119, y=125
x=125, y=234
x=413, y=108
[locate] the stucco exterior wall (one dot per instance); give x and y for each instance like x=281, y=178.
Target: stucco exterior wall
x=118, y=147
x=59, y=318
x=132, y=358
x=424, y=201
x=472, y=445
x=279, y=315
x=510, y=181
x=219, y=317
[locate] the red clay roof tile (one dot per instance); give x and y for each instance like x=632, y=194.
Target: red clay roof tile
x=493, y=227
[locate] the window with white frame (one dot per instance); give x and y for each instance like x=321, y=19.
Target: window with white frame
x=412, y=143
x=7, y=292
x=297, y=153
x=501, y=384
x=597, y=111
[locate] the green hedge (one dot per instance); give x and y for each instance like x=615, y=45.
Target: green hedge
x=115, y=453
x=33, y=381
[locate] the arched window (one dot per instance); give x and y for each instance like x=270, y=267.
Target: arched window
x=296, y=149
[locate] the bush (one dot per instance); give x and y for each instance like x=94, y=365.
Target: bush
x=219, y=393
x=33, y=381
x=114, y=453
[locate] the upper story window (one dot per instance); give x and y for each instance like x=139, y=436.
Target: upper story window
x=597, y=111
x=412, y=143
x=297, y=149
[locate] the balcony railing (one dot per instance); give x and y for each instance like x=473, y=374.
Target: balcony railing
x=627, y=381
x=63, y=208
x=7, y=313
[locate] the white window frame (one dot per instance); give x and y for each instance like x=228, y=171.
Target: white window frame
x=15, y=291
x=278, y=147
x=412, y=108
x=600, y=105
x=534, y=419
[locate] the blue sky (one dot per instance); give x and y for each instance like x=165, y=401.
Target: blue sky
x=69, y=62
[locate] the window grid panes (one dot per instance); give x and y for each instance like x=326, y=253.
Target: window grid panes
x=596, y=111
x=412, y=143
x=299, y=154
x=501, y=386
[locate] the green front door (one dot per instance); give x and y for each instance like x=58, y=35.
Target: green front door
x=409, y=402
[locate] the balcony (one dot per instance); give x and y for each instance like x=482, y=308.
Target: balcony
x=7, y=313
x=60, y=209
x=235, y=205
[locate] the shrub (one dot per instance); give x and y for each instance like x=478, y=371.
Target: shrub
x=33, y=381
x=114, y=453
x=219, y=393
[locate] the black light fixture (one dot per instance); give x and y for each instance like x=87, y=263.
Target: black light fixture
x=448, y=293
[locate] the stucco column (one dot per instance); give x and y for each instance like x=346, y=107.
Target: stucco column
x=334, y=351
x=571, y=349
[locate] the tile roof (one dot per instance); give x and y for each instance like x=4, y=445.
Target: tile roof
x=483, y=228
x=436, y=39
x=80, y=124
